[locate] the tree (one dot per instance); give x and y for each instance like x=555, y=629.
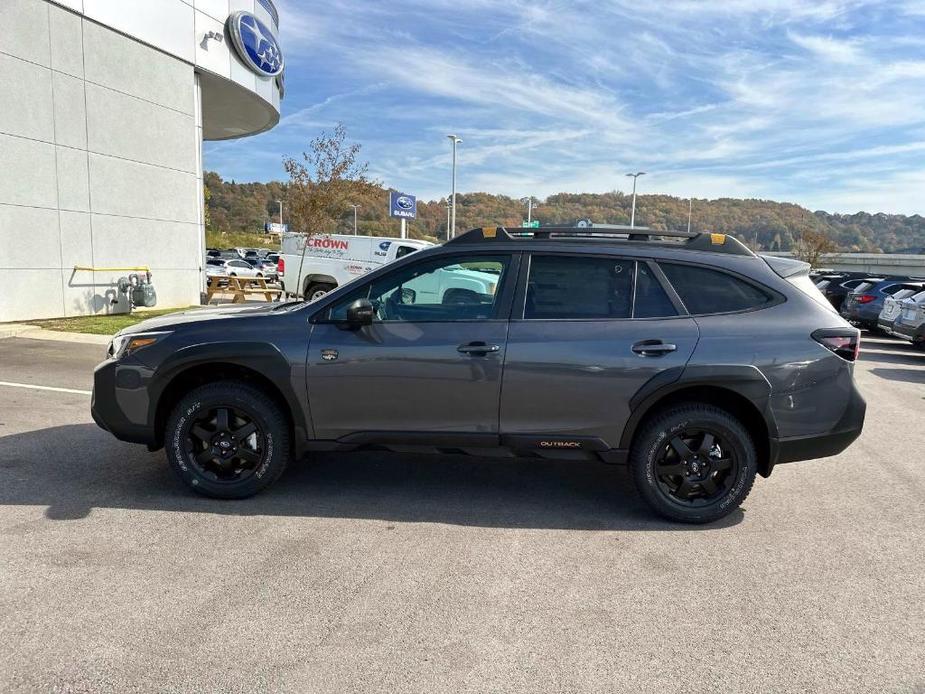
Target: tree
x=812, y=245
x=325, y=182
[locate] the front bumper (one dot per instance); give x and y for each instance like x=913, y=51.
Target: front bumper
x=119, y=403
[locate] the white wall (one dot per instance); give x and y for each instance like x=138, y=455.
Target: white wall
x=99, y=164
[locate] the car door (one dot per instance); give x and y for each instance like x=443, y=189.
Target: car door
x=429, y=363
x=587, y=332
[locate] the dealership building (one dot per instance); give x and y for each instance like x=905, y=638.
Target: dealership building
x=105, y=106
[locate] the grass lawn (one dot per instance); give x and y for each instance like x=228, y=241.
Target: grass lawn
x=99, y=325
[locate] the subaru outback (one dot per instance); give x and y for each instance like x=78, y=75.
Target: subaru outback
x=682, y=355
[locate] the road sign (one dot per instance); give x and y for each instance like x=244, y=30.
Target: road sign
x=402, y=205
x=535, y=224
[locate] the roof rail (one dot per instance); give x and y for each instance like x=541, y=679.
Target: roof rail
x=695, y=241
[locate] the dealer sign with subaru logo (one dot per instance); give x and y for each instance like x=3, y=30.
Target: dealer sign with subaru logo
x=256, y=44
x=401, y=205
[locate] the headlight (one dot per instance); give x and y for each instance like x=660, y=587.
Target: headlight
x=124, y=345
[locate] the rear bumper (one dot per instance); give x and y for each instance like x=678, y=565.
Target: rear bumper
x=842, y=435
x=885, y=325
x=916, y=333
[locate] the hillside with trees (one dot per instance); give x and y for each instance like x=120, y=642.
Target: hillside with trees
x=327, y=179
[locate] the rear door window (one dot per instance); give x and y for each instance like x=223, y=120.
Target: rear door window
x=563, y=287
x=705, y=291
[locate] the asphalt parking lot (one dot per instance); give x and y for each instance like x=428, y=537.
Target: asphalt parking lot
x=385, y=572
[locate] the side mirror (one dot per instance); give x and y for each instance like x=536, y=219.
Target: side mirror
x=360, y=313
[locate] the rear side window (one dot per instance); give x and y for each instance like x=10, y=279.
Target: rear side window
x=589, y=288
x=863, y=287
x=710, y=291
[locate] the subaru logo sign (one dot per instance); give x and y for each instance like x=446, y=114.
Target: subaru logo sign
x=384, y=246
x=256, y=44
x=402, y=205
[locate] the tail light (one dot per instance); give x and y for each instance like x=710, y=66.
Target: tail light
x=844, y=343
x=281, y=267
x=865, y=298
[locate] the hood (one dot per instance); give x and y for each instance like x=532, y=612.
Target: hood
x=199, y=315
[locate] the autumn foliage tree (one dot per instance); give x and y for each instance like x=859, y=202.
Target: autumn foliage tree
x=812, y=245
x=325, y=182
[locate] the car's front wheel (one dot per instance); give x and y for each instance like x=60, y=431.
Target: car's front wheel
x=227, y=439
x=693, y=463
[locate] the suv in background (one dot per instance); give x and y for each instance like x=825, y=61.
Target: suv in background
x=893, y=305
x=685, y=356
x=836, y=287
x=863, y=304
x=910, y=323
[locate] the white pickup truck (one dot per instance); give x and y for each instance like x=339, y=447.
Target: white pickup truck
x=311, y=266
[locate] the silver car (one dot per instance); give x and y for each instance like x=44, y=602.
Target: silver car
x=910, y=323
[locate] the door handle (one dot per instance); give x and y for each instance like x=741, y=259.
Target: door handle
x=479, y=348
x=653, y=348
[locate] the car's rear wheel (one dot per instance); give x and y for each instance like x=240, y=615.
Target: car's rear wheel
x=693, y=463
x=318, y=290
x=228, y=440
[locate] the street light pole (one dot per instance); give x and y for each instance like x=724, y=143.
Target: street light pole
x=633, y=213
x=690, y=211
x=354, y=219
x=529, y=201
x=452, y=230
x=448, y=206
x=280, y=203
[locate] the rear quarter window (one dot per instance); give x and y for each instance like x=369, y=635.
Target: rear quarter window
x=704, y=290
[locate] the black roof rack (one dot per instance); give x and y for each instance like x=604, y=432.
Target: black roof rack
x=695, y=241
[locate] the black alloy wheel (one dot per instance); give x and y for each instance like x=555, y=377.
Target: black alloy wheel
x=693, y=462
x=228, y=439
x=696, y=467
x=225, y=444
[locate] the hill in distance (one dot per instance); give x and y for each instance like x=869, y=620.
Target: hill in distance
x=769, y=225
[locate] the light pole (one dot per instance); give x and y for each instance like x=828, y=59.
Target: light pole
x=448, y=207
x=280, y=203
x=452, y=230
x=633, y=213
x=354, y=219
x=529, y=201
x=690, y=211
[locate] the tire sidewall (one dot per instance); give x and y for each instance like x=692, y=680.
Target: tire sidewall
x=658, y=436
x=264, y=413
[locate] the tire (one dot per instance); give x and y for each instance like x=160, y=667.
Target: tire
x=715, y=479
x=196, y=425
x=317, y=290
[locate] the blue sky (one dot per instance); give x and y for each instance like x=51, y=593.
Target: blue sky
x=819, y=102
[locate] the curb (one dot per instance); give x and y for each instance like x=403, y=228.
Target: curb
x=32, y=332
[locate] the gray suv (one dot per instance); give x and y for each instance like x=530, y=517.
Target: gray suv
x=685, y=356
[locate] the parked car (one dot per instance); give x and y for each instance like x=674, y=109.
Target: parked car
x=910, y=324
x=263, y=268
x=892, y=306
x=698, y=364
x=214, y=267
x=836, y=287
x=863, y=304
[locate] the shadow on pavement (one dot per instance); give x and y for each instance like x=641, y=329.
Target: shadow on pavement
x=73, y=469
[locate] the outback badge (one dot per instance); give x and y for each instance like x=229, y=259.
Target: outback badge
x=329, y=354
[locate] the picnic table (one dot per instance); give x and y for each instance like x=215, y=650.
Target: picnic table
x=240, y=288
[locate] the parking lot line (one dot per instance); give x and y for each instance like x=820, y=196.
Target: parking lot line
x=9, y=384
